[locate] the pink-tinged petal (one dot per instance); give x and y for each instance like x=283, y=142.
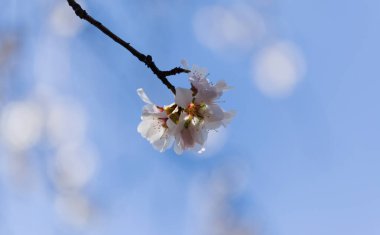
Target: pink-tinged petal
x=187, y=138
x=178, y=147
x=164, y=142
x=183, y=97
x=202, y=136
x=228, y=117
x=213, y=125
x=159, y=145
x=156, y=132
x=168, y=143
x=197, y=74
x=171, y=125
x=143, y=96
x=182, y=119
x=185, y=64
x=176, y=128
x=214, y=113
x=206, y=95
x=199, y=132
x=207, y=92
x=151, y=128
x=144, y=127
x=214, y=117
x=222, y=86
x=152, y=110
x=201, y=83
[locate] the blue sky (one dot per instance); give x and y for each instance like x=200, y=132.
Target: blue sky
x=300, y=157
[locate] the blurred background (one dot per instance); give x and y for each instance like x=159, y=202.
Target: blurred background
x=302, y=156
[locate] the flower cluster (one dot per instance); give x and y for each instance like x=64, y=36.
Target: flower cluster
x=187, y=121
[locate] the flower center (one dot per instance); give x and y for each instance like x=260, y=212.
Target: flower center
x=196, y=110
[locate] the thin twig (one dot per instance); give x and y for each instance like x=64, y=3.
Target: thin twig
x=176, y=70
x=146, y=59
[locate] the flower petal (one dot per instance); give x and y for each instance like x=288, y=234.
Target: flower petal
x=151, y=128
x=197, y=74
x=206, y=95
x=178, y=147
x=164, y=142
x=183, y=97
x=144, y=127
x=222, y=86
x=171, y=125
x=199, y=131
x=152, y=110
x=201, y=136
x=228, y=117
x=143, y=96
x=185, y=64
x=187, y=138
x=214, y=113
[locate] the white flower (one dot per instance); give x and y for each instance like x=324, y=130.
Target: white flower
x=205, y=91
x=199, y=116
x=189, y=133
x=153, y=124
x=207, y=94
x=187, y=121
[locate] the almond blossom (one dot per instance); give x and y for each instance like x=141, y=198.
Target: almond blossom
x=207, y=95
x=188, y=120
x=153, y=124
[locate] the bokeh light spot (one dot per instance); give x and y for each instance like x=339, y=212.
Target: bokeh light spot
x=236, y=27
x=22, y=124
x=278, y=68
x=63, y=21
x=74, y=166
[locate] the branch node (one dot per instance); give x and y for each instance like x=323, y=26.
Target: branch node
x=148, y=60
x=77, y=9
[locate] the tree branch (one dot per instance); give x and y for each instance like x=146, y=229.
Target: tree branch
x=146, y=59
x=176, y=70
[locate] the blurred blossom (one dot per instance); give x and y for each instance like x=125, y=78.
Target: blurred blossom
x=8, y=45
x=236, y=27
x=22, y=124
x=17, y=168
x=277, y=69
x=215, y=197
x=60, y=122
x=63, y=20
x=74, y=209
x=231, y=179
x=73, y=167
x=66, y=122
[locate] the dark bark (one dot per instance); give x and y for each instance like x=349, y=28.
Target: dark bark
x=146, y=59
